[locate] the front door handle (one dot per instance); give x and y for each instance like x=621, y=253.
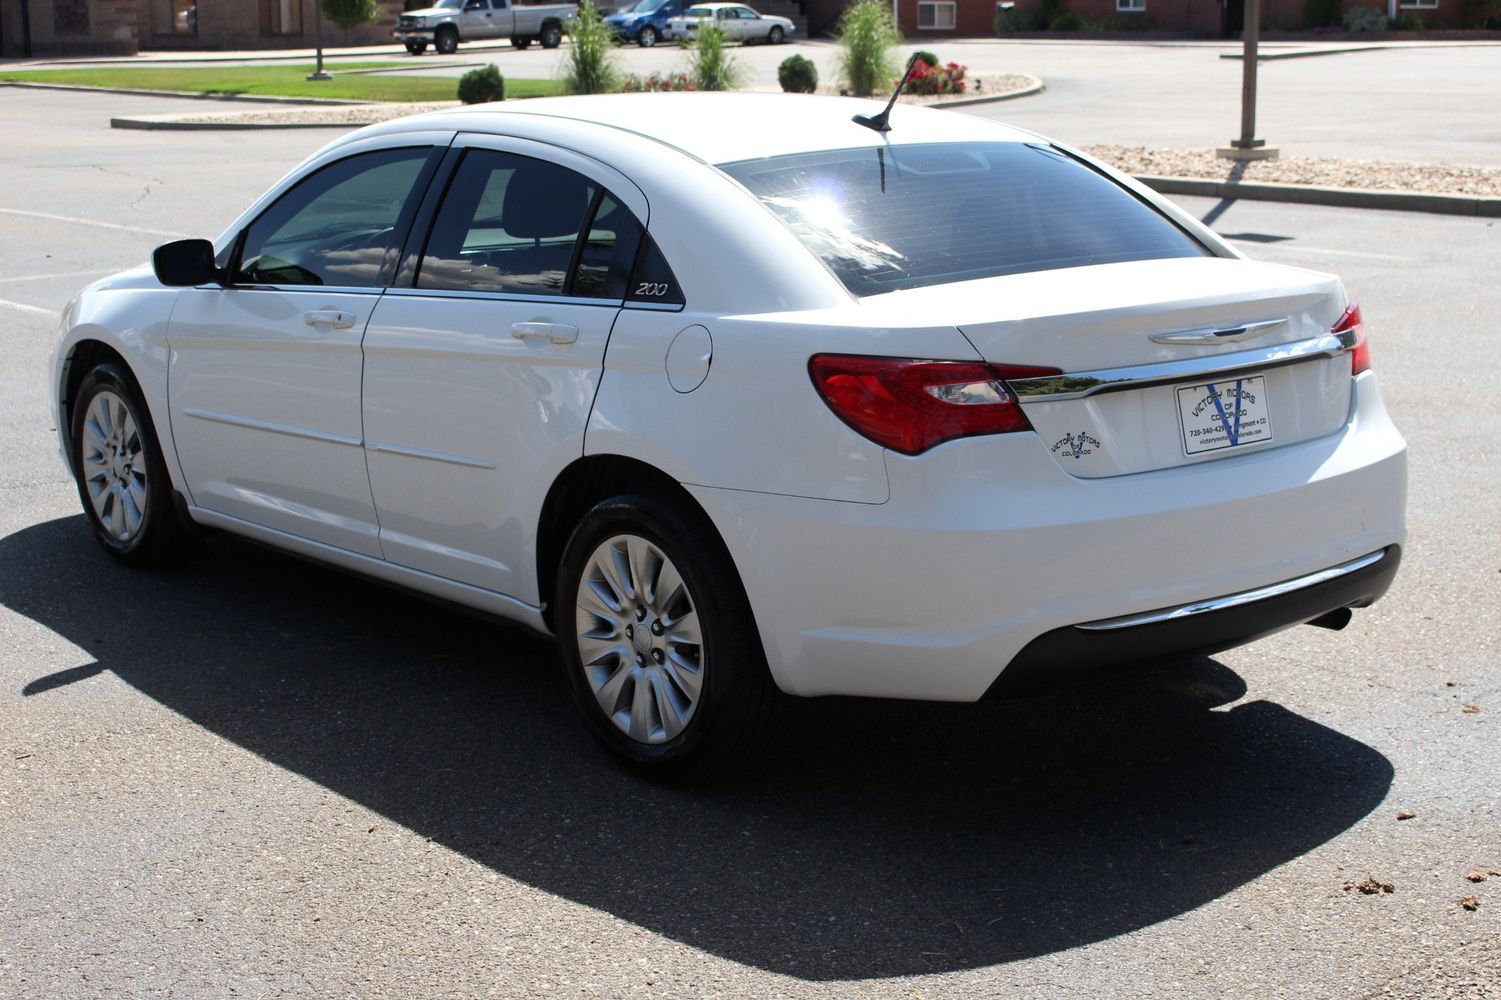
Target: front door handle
x=557, y=333
x=336, y=318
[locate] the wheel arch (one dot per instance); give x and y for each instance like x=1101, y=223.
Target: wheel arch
x=579, y=487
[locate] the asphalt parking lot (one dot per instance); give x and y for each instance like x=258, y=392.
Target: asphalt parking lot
x=251, y=777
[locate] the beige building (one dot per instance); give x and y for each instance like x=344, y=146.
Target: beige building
x=55, y=27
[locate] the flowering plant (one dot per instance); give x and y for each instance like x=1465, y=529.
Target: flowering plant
x=936, y=80
x=656, y=82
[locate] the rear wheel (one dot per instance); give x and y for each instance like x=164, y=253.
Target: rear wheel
x=520, y=42
x=117, y=463
x=416, y=48
x=777, y=36
x=446, y=41
x=658, y=642
x=552, y=36
x=648, y=37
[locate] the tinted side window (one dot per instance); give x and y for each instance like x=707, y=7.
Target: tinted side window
x=607, y=253
x=653, y=281
x=337, y=226
x=508, y=223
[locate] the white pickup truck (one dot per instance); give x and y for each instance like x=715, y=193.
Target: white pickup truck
x=448, y=22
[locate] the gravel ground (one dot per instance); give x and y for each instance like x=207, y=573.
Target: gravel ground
x=1374, y=175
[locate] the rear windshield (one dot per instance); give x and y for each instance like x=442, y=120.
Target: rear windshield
x=896, y=217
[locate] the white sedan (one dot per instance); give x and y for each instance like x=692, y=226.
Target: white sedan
x=734, y=411
x=739, y=23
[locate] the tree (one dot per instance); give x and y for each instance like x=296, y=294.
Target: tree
x=350, y=13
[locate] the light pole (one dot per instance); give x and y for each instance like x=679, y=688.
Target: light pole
x=318, y=73
x=1248, y=146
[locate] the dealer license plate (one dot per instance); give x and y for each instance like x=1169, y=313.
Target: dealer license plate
x=1223, y=415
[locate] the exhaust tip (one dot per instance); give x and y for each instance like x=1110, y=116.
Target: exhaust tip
x=1334, y=620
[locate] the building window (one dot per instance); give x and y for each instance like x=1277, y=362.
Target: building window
x=174, y=17
x=1419, y=4
x=70, y=17
x=1131, y=5
x=281, y=17
x=936, y=15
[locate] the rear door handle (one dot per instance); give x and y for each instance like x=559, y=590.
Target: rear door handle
x=336, y=318
x=557, y=333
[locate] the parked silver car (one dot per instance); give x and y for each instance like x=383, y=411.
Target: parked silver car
x=739, y=23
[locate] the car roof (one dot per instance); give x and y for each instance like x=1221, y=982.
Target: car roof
x=726, y=127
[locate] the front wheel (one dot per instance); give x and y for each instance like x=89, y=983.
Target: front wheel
x=552, y=36
x=648, y=37
x=117, y=462
x=416, y=48
x=776, y=36
x=446, y=41
x=658, y=641
x=521, y=42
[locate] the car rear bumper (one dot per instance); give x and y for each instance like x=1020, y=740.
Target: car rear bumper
x=1202, y=627
x=986, y=548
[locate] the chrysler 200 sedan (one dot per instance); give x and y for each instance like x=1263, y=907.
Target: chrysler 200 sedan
x=738, y=409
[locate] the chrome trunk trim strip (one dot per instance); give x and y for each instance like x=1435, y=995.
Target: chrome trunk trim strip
x=1077, y=385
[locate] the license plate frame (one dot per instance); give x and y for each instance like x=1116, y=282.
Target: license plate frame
x=1225, y=415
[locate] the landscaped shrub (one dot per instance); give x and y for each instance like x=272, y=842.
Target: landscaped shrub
x=927, y=57
x=1482, y=14
x=1406, y=22
x=480, y=85
x=935, y=80
x=867, y=40
x=1129, y=22
x=798, y=75
x=350, y=13
x=711, y=66
x=656, y=83
x=1321, y=13
x=1067, y=20
x=1365, y=19
x=590, y=67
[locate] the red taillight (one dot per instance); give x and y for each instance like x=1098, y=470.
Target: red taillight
x=1360, y=354
x=909, y=405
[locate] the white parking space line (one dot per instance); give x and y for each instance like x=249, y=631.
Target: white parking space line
x=23, y=307
x=87, y=222
x=59, y=274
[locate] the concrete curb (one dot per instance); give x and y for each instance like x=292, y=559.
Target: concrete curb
x=184, y=95
x=169, y=123
x=1263, y=55
x=964, y=102
x=1304, y=194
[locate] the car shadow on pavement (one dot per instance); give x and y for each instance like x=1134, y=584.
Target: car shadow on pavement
x=876, y=839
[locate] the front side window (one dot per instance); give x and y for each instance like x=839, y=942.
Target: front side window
x=338, y=226
x=893, y=217
x=519, y=225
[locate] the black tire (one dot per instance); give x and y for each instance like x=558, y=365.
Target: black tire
x=736, y=695
x=647, y=38
x=446, y=41
x=416, y=48
x=552, y=36
x=160, y=535
x=777, y=35
x=521, y=41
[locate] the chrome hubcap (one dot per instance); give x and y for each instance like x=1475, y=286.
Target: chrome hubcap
x=639, y=639
x=114, y=470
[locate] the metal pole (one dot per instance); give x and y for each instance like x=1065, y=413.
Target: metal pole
x=1251, y=36
x=1248, y=146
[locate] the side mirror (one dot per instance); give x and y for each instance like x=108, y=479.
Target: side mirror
x=185, y=262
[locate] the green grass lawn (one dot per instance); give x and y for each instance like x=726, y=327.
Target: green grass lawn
x=277, y=81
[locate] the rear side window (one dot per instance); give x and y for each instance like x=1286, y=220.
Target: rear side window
x=887, y=218
x=519, y=225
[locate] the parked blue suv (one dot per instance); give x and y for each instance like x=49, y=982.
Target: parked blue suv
x=646, y=23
